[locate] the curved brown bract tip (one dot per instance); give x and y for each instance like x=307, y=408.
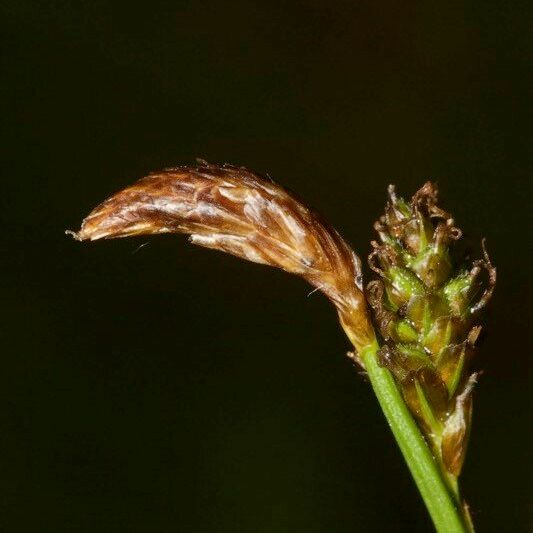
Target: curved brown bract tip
x=231, y=209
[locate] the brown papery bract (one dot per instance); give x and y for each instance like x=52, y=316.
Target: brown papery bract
x=232, y=209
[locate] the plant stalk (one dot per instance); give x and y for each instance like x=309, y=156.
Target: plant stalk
x=441, y=501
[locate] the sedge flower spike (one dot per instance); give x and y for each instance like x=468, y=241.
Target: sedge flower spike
x=231, y=209
x=427, y=313
x=425, y=309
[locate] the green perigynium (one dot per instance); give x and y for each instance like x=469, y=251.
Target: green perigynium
x=426, y=310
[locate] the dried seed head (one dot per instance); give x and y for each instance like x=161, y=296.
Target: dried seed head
x=232, y=209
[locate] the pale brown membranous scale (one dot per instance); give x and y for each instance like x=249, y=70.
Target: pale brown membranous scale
x=231, y=209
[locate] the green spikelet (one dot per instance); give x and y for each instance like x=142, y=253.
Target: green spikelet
x=426, y=311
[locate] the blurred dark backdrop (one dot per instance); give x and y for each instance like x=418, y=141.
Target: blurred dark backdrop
x=171, y=388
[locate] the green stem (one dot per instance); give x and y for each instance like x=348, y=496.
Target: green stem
x=440, y=501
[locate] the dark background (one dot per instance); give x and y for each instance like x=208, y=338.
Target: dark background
x=176, y=389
